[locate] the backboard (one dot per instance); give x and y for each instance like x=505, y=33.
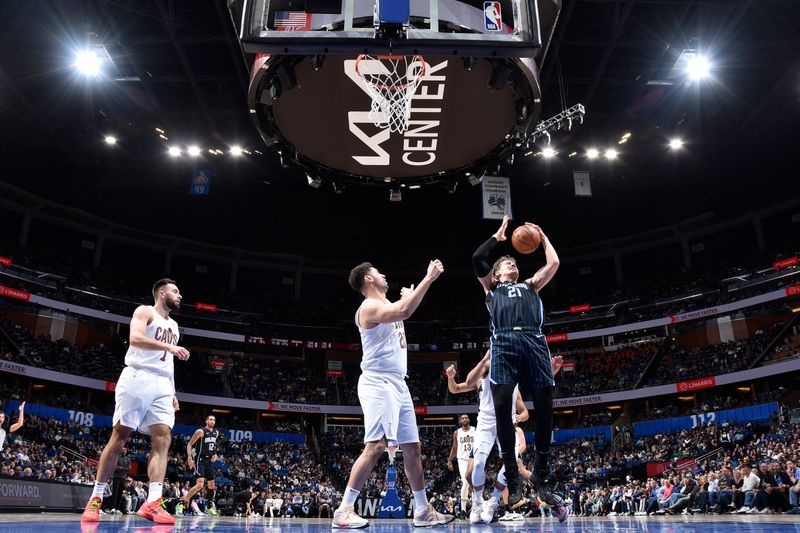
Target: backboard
x=474, y=106
x=511, y=28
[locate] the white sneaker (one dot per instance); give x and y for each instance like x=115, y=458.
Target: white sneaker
x=346, y=518
x=431, y=517
x=742, y=510
x=753, y=510
x=612, y=513
x=489, y=507
x=639, y=513
x=475, y=513
x=765, y=510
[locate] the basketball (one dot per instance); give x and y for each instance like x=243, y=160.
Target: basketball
x=525, y=239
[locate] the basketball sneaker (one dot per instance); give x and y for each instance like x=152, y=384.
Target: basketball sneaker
x=489, y=508
x=92, y=511
x=346, y=518
x=475, y=513
x=515, y=495
x=155, y=511
x=431, y=517
x=562, y=512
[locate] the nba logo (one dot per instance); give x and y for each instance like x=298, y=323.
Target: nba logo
x=492, y=16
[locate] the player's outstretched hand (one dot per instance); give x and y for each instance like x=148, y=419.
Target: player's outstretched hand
x=406, y=291
x=450, y=465
x=556, y=363
x=450, y=371
x=22, y=407
x=500, y=234
x=180, y=352
x=537, y=228
x=435, y=269
x=175, y=405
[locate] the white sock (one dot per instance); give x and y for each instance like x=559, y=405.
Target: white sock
x=154, y=491
x=99, y=489
x=497, y=494
x=420, y=501
x=477, y=496
x=349, y=497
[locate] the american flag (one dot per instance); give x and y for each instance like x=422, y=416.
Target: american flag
x=292, y=21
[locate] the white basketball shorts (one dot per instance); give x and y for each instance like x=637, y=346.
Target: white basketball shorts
x=388, y=408
x=143, y=399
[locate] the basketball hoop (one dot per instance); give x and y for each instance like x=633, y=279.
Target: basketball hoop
x=391, y=82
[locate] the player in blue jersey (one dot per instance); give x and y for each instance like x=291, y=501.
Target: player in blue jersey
x=520, y=357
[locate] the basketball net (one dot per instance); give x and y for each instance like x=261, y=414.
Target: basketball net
x=391, y=82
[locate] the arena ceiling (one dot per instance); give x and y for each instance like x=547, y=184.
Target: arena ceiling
x=177, y=66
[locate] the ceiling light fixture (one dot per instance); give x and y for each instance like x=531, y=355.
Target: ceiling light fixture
x=87, y=63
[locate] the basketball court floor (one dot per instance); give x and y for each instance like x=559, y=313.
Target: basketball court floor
x=39, y=523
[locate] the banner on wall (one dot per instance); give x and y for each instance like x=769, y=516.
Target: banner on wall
x=24, y=494
x=583, y=183
x=496, y=197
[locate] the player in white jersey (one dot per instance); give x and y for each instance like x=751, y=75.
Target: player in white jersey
x=13, y=427
x=463, y=441
x=389, y=418
x=145, y=398
x=486, y=432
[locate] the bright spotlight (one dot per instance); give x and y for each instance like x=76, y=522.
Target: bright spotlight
x=611, y=153
x=236, y=151
x=174, y=151
x=592, y=153
x=110, y=140
x=548, y=152
x=676, y=144
x=193, y=151
x=698, y=68
x=87, y=63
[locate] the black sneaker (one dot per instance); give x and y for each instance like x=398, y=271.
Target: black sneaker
x=515, y=496
x=546, y=490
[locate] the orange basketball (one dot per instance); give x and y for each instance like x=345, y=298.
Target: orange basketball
x=525, y=239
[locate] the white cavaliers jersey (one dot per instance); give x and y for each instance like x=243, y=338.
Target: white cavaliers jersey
x=465, y=440
x=2, y=438
x=157, y=361
x=486, y=403
x=384, y=348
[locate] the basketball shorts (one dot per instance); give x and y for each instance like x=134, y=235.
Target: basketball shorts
x=388, y=408
x=521, y=357
x=143, y=399
x=203, y=468
x=485, y=437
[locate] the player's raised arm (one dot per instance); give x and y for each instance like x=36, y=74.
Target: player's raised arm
x=473, y=378
x=376, y=312
x=546, y=273
x=21, y=420
x=480, y=257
